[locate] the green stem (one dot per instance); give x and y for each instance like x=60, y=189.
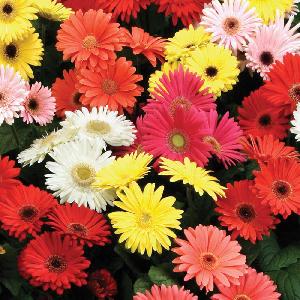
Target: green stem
x=14, y=132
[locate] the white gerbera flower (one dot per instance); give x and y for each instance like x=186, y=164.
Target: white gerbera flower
x=73, y=172
x=101, y=124
x=296, y=123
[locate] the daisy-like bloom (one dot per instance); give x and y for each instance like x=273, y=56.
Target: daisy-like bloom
x=263, y=149
x=73, y=172
x=101, y=124
x=142, y=42
x=260, y=117
x=177, y=136
x=90, y=39
x=83, y=5
x=217, y=66
x=53, y=262
x=146, y=220
x=23, y=53
x=12, y=94
x=39, y=105
x=66, y=94
x=23, y=208
x=102, y=284
x=296, y=123
x=116, y=175
x=185, y=42
x=15, y=17
x=189, y=173
x=231, y=23
x=210, y=256
x=278, y=185
x=253, y=285
x=8, y=174
x=162, y=292
x=82, y=224
x=243, y=213
x=116, y=86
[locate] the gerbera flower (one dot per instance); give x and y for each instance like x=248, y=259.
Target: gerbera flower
x=83, y=5
x=82, y=224
x=12, y=94
x=73, y=172
x=253, y=285
x=53, y=262
x=142, y=42
x=39, y=105
x=115, y=87
x=217, y=66
x=185, y=42
x=22, y=210
x=15, y=19
x=243, y=213
x=231, y=23
x=8, y=174
x=189, y=173
x=146, y=220
x=177, y=136
x=173, y=292
x=23, y=53
x=260, y=117
x=116, y=175
x=90, y=39
x=210, y=256
x=296, y=123
x=293, y=11
x=101, y=124
x=263, y=149
x=66, y=94
x=278, y=184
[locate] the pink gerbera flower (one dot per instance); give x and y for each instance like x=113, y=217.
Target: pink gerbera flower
x=39, y=105
x=224, y=137
x=231, y=23
x=12, y=94
x=177, y=136
x=253, y=285
x=210, y=256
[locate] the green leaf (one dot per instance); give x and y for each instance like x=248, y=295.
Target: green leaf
x=13, y=284
x=142, y=284
x=250, y=250
x=160, y=275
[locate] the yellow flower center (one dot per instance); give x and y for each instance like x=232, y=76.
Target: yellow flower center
x=231, y=25
x=11, y=51
x=98, y=127
x=282, y=189
x=213, y=142
x=177, y=142
x=109, y=86
x=208, y=261
x=83, y=175
x=241, y=297
x=89, y=42
x=144, y=220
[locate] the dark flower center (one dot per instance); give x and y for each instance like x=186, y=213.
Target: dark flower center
x=7, y=9
x=231, y=25
x=56, y=264
x=11, y=51
x=32, y=104
x=28, y=213
x=265, y=120
x=246, y=212
x=211, y=71
x=78, y=229
x=208, y=261
x=267, y=58
x=76, y=98
x=294, y=92
x=281, y=189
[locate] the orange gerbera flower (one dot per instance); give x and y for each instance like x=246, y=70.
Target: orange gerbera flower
x=142, y=42
x=115, y=87
x=66, y=94
x=90, y=39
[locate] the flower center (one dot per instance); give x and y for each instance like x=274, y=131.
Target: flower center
x=78, y=229
x=83, y=175
x=208, y=261
x=89, y=42
x=177, y=142
x=282, y=189
x=76, y=98
x=241, y=297
x=211, y=71
x=144, y=220
x=11, y=51
x=7, y=9
x=231, y=25
x=56, y=264
x=109, y=86
x=3, y=99
x=213, y=142
x=180, y=101
x=245, y=212
x=98, y=127
x=28, y=213
x=294, y=92
x=264, y=120
x=32, y=105
x=267, y=58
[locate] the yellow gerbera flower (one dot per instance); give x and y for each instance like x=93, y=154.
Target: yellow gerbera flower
x=185, y=42
x=50, y=9
x=15, y=16
x=146, y=219
x=195, y=176
x=217, y=66
x=22, y=53
x=124, y=170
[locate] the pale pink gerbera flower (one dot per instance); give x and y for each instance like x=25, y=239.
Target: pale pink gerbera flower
x=231, y=23
x=39, y=105
x=252, y=286
x=210, y=256
x=12, y=94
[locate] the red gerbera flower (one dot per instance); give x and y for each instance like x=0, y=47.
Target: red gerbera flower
x=66, y=94
x=243, y=213
x=178, y=136
x=52, y=262
x=82, y=224
x=22, y=209
x=278, y=184
x=260, y=117
x=8, y=173
x=83, y=5
x=90, y=39
x=102, y=285
x=115, y=87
